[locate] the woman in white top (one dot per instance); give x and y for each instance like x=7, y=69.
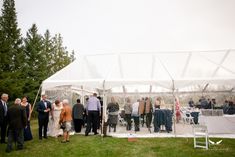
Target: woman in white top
x=135, y=114
x=53, y=126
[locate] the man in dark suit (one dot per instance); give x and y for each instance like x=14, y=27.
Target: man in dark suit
x=3, y=116
x=17, y=121
x=43, y=108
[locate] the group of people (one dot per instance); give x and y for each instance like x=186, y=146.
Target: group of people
x=141, y=109
x=53, y=118
x=15, y=121
x=203, y=103
x=57, y=118
x=60, y=116
x=229, y=107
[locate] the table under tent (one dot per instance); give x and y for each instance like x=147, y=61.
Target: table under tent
x=136, y=75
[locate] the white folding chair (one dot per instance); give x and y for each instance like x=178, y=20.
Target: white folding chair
x=186, y=117
x=121, y=120
x=201, y=137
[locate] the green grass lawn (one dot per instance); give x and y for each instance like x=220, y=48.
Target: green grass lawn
x=95, y=146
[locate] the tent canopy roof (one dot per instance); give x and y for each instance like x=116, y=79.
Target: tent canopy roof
x=148, y=72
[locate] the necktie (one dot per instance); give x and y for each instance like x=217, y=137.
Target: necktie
x=5, y=108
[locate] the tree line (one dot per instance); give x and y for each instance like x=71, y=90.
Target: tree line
x=26, y=61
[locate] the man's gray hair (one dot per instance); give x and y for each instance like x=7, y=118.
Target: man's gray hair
x=17, y=101
x=4, y=95
x=65, y=101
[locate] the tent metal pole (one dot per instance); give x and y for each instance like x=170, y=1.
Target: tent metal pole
x=231, y=92
x=205, y=87
x=104, y=110
x=174, y=117
x=150, y=91
x=124, y=95
x=82, y=96
x=36, y=97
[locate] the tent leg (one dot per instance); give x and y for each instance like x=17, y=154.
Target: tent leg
x=104, y=111
x=174, y=102
x=174, y=117
x=82, y=96
x=36, y=97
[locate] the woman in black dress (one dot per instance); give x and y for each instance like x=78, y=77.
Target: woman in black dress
x=27, y=131
x=113, y=109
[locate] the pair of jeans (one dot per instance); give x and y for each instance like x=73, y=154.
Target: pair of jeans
x=142, y=119
x=137, y=123
x=148, y=119
x=128, y=120
x=162, y=117
x=158, y=120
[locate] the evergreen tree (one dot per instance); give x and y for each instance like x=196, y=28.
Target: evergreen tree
x=25, y=63
x=11, y=52
x=72, y=56
x=35, y=69
x=60, y=56
x=48, y=49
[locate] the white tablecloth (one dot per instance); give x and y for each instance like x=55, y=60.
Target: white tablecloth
x=219, y=124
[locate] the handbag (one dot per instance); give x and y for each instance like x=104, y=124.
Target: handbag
x=62, y=126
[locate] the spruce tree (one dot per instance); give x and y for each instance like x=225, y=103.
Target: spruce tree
x=72, y=56
x=25, y=63
x=61, y=57
x=48, y=49
x=11, y=52
x=35, y=69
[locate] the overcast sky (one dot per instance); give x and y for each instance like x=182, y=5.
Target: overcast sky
x=103, y=26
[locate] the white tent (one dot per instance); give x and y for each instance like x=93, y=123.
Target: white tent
x=149, y=72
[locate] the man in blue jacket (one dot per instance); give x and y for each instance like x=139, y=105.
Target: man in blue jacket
x=43, y=108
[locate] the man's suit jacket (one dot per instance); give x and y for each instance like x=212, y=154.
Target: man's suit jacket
x=16, y=117
x=41, y=107
x=2, y=111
